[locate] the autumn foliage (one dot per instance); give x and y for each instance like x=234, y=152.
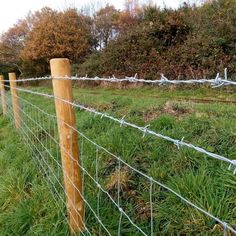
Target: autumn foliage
x=190, y=42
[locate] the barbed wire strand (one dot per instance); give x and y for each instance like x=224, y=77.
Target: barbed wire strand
x=149, y=178
x=216, y=82
x=30, y=79
x=144, y=130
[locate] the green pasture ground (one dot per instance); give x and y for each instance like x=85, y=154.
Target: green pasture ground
x=202, y=116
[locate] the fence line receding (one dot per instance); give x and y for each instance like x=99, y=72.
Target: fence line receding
x=52, y=140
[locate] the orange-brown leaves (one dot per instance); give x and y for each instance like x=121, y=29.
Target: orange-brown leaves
x=58, y=34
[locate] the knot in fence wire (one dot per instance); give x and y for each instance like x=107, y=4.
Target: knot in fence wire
x=122, y=121
x=179, y=143
x=163, y=80
x=145, y=130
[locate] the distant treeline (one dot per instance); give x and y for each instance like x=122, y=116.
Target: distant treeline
x=190, y=42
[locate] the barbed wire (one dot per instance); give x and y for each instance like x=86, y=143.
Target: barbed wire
x=216, y=82
x=95, y=180
x=29, y=79
x=145, y=130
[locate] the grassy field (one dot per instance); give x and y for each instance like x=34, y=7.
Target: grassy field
x=203, y=116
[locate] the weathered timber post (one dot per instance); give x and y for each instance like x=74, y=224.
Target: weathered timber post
x=15, y=101
x=62, y=89
x=3, y=95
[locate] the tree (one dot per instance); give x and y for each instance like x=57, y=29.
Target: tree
x=129, y=18
x=12, y=42
x=106, y=24
x=57, y=34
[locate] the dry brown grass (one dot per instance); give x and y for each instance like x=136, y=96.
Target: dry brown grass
x=119, y=177
x=143, y=210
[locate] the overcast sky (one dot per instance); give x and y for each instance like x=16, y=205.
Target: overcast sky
x=11, y=10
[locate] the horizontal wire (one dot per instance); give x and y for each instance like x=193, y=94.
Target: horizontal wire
x=144, y=175
x=144, y=130
x=216, y=82
x=29, y=79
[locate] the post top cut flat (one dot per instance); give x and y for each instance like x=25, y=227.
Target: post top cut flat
x=60, y=67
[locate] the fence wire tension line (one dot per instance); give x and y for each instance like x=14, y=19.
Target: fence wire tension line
x=66, y=164
x=216, y=82
x=145, y=130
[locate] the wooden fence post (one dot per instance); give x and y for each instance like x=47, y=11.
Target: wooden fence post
x=62, y=88
x=15, y=101
x=3, y=95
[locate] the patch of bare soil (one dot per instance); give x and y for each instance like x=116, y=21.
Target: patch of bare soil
x=176, y=109
x=151, y=115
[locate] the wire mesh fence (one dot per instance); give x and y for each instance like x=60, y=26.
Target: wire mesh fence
x=112, y=182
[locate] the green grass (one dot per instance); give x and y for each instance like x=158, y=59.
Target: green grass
x=27, y=207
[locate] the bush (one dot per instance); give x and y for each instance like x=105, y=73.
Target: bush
x=92, y=66
x=190, y=42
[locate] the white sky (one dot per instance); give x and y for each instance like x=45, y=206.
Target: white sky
x=11, y=10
